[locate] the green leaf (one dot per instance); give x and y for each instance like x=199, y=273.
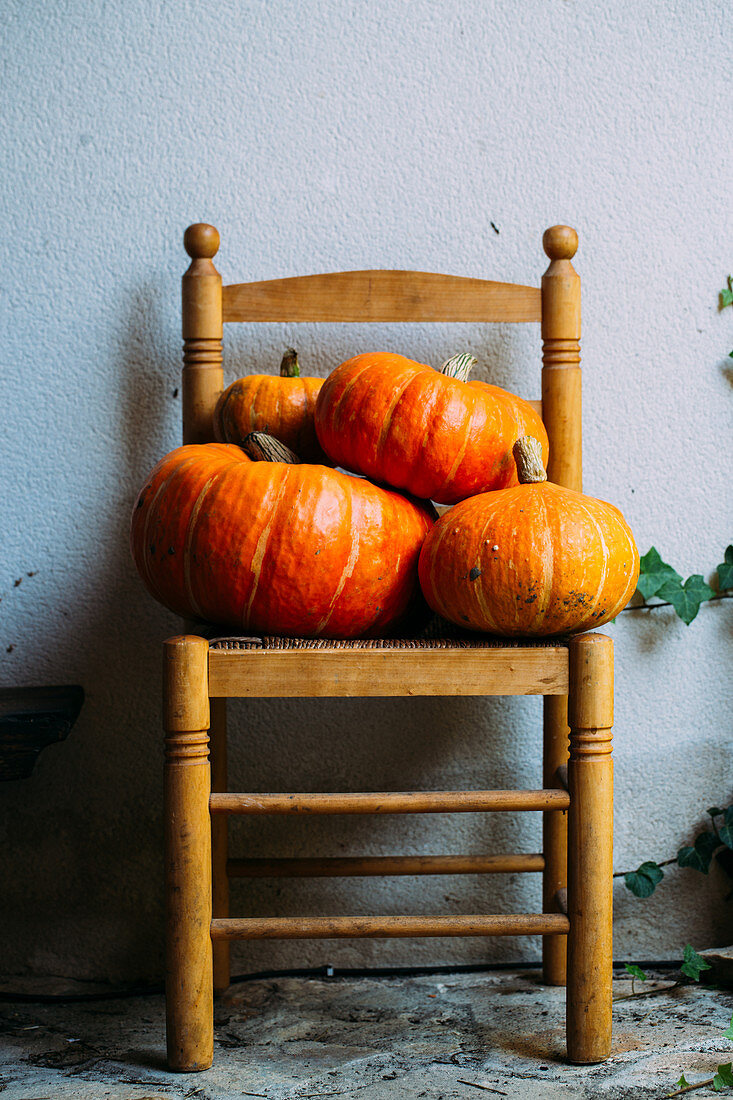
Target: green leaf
x=654, y=573
x=645, y=879
x=635, y=971
x=725, y=569
x=686, y=598
x=728, y=1033
x=693, y=964
x=699, y=856
x=683, y=1083
x=724, y=1077
x=725, y=832
x=726, y=295
x=652, y=870
x=688, y=857
x=715, y=811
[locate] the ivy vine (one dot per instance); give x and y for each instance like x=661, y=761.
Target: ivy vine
x=714, y=843
x=658, y=581
x=692, y=967
x=726, y=299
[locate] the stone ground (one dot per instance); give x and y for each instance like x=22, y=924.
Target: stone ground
x=446, y=1036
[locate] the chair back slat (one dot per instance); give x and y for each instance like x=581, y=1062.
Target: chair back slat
x=381, y=296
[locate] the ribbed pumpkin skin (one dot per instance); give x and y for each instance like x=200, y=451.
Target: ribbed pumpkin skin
x=283, y=407
x=536, y=559
x=403, y=423
x=276, y=548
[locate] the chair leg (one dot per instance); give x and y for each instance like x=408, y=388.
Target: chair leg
x=554, y=836
x=590, y=849
x=220, y=840
x=189, y=992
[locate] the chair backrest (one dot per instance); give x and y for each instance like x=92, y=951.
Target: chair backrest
x=374, y=296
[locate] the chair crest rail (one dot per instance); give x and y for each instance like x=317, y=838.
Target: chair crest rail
x=381, y=296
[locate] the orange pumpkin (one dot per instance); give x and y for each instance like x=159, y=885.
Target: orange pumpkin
x=430, y=432
x=280, y=406
x=276, y=547
x=536, y=559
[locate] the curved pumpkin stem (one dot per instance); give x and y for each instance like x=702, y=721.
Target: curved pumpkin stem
x=527, y=453
x=262, y=447
x=289, y=367
x=459, y=366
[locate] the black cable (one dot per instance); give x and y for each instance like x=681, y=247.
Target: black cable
x=326, y=971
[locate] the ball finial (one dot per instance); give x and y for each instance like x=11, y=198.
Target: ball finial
x=201, y=241
x=560, y=242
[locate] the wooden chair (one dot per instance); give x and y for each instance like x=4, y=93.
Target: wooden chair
x=575, y=678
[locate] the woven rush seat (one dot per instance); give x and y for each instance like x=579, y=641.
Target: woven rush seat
x=268, y=641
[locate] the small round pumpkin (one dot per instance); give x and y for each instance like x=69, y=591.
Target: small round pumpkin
x=282, y=406
x=535, y=559
x=433, y=433
x=276, y=546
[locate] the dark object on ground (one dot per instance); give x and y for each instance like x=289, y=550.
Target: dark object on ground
x=721, y=963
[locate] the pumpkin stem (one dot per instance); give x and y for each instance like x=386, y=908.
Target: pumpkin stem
x=262, y=447
x=289, y=367
x=459, y=366
x=527, y=453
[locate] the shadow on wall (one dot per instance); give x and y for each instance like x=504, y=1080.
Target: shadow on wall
x=84, y=834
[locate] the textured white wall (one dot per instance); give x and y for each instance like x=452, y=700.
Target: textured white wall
x=326, y=136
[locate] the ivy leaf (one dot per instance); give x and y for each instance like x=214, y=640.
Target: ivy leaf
x=693, y=964
x=715, y=811
x=683, y=1083
x=725, y=832
x=724, y=1077
x=725, y=569
x=686, y=598
x=726, y=295
x=654, y=573
x=728, y=1033
x=644, y=881
x=699, y=856
x=635, y=971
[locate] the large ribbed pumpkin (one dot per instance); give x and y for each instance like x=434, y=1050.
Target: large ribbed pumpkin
x=281, y=405
x=430, y=432
x=535, y=559
x=274, y=547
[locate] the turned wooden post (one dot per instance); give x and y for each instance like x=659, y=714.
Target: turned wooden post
x=590, y=865
x=203, y=378
x=189, y=992
x=561, y=407
x=561, y=412
x=201, y=383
